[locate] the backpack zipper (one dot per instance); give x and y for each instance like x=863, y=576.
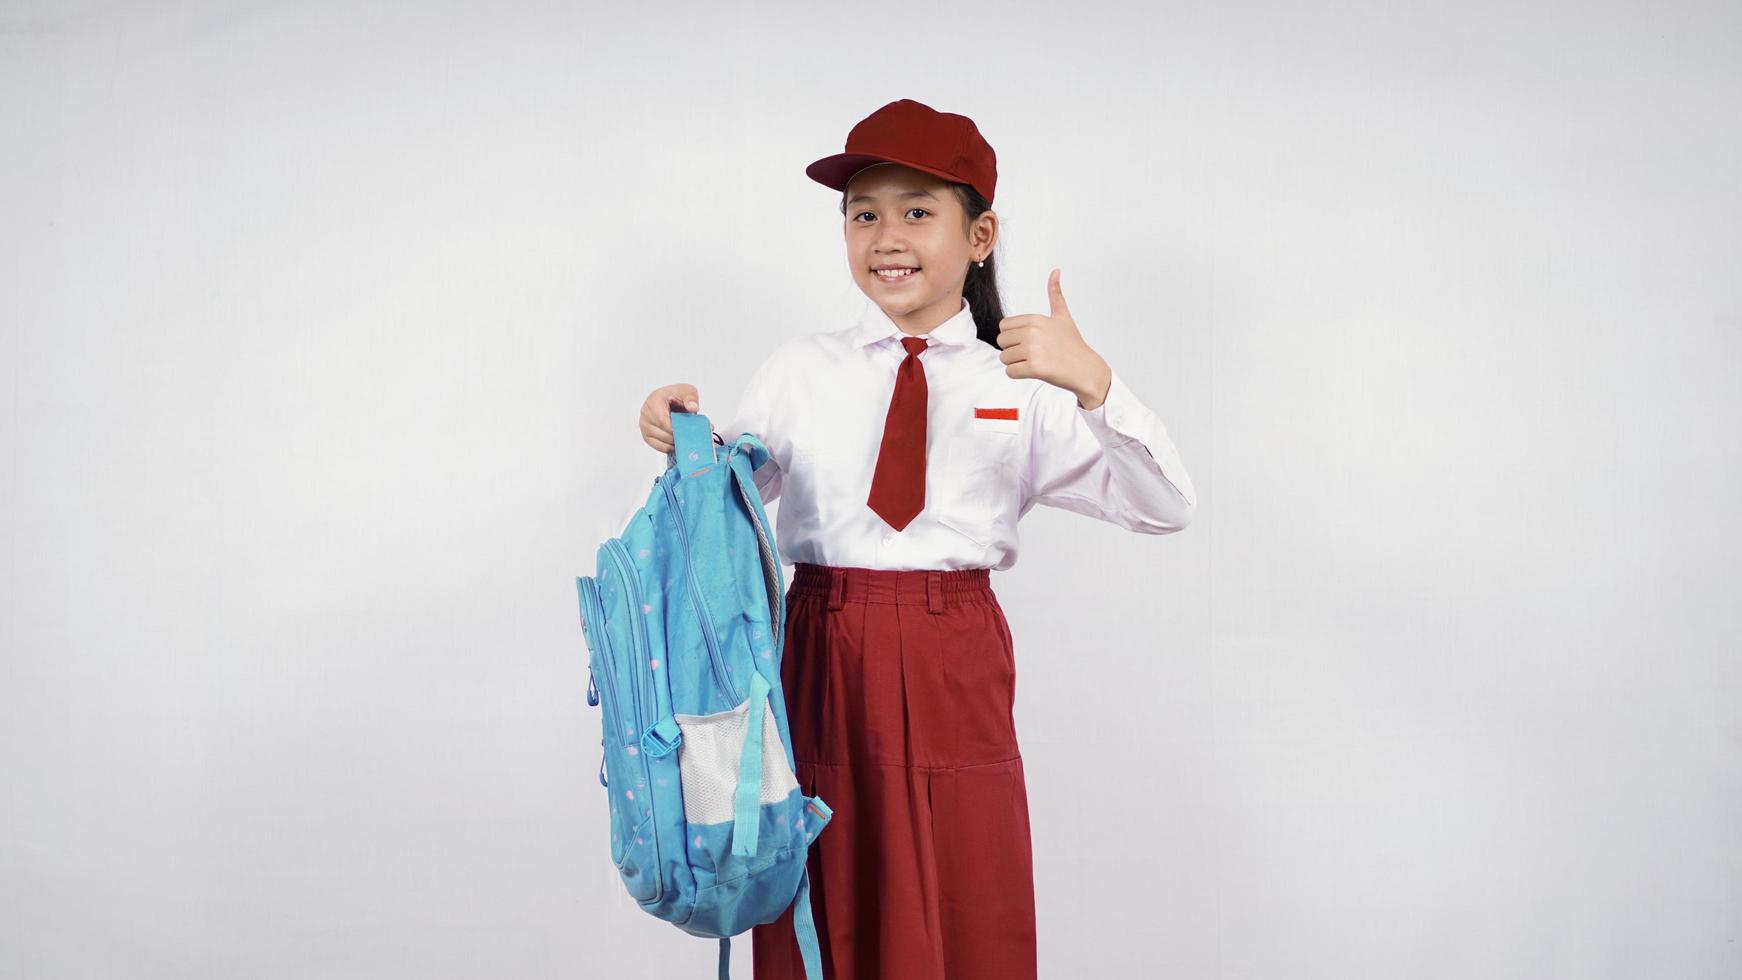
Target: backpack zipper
x=595, y=620
x=701, y=609
x=643, y=692
x=602, y=653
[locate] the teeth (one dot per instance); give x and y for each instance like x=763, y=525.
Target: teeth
x=893, y=273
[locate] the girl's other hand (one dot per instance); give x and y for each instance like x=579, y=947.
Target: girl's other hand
x=1049, y=346
x=656, y=413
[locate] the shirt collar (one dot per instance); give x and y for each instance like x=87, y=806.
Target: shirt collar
x=875, y=325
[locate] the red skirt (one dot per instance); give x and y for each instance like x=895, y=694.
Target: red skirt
x=899, y=692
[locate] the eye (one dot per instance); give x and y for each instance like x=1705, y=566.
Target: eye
x=861, y=214
x=920, y=210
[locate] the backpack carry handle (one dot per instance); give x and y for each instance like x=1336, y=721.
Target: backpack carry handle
x=692, y=442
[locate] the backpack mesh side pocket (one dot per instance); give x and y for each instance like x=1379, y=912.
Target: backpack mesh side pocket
x=708, y=756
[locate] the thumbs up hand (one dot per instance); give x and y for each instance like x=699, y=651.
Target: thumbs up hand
x=1050, y=348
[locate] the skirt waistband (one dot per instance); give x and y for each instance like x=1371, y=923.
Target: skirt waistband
x=935, y=588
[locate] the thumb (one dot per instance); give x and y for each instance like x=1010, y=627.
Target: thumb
x=1056, y=296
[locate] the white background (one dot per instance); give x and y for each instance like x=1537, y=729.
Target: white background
x=325, y=330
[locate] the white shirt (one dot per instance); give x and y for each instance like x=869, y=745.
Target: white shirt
x=818, y=403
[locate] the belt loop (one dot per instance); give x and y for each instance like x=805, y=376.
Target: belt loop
x=934, y=591
x=837, y=588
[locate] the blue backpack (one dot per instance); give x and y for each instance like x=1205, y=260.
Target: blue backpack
x=684, y=628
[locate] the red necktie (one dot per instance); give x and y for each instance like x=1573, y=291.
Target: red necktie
x=898, y=484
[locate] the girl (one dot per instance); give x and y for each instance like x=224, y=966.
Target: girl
x=907, y=446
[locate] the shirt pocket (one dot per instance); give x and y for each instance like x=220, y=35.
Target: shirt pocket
x=976, y=488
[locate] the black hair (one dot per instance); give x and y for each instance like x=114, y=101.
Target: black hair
x=980, y=288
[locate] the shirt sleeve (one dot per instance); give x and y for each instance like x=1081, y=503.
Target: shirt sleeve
x=755, y=415
x=1114, y=462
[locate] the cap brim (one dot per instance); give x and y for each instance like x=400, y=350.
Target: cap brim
x=835, y=171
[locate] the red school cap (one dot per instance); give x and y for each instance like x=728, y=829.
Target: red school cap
x=915, y=135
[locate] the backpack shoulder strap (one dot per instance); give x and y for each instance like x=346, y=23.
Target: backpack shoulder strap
x=805, y=927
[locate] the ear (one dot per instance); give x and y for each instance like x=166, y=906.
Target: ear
x=984, y=234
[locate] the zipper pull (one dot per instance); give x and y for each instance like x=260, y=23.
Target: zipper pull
x=592, y=689
x=602, y=781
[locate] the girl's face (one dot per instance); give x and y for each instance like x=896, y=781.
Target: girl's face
x=899, y=218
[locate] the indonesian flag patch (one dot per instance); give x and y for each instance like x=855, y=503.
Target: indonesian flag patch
x=993, y=419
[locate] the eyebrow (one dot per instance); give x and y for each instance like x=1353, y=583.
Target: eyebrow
x=856, y=198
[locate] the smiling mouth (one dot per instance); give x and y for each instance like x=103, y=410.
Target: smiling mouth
x=894, y=275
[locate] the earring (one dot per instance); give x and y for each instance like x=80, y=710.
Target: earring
x=981, y=264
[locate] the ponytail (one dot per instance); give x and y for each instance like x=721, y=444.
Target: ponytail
x=980, y=289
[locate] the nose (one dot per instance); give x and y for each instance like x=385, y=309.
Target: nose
x=888, y=240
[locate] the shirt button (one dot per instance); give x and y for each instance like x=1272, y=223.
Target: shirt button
x=1118, y=419
x=888, y=539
